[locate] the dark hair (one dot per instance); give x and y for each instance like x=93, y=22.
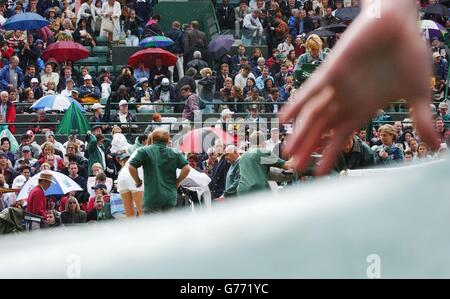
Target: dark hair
x=23, y=167
x=142, y=138
x=4, y=139
x=24, y=137
x=156, y=17
x=186, y=88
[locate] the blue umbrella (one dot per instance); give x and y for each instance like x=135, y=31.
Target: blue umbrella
x=156, y=42
x=55, y=102
x=220, y=45
x=25, y=21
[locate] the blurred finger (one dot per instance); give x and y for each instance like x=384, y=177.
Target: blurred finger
x=423, y=119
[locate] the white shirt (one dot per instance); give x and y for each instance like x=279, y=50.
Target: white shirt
x=241, y=81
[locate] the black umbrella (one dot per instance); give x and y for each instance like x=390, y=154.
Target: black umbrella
x=347, y=13
x=322, y=33
x=436, y=9
x=445, y=2
x=336, y=28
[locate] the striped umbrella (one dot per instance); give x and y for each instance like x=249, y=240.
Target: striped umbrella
x=156, y=42
x=431, y=29
x=55, y=102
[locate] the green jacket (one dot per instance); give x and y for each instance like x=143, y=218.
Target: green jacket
x=95, y=155
x=232, y=180
x=137, y=144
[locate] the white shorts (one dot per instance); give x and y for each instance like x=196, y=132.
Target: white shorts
x=125, y=183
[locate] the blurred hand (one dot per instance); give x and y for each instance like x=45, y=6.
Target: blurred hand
x=376, y=61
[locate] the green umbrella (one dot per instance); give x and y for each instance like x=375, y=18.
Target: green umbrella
x=73, y=122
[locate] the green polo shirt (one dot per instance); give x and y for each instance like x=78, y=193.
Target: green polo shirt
x=160, y=164
x=232, y=179
x=254, y=170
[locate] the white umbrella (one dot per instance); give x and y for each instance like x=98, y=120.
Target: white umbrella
x=60, y=185
x=55, y=102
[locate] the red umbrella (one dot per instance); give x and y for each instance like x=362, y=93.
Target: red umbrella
x=64, y=51
x=147, y=56
x=199, y=140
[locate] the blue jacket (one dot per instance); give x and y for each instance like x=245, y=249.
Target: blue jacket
x=395, y=155
x=4, y=77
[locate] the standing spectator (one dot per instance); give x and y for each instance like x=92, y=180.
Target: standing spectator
x=160, y=179
x=7, y=112
x=37, y=202
x=252, y=28
x=152, y=27
x=177, y=48
x=191, y=105
x=210, y=162
x=133, y=29
x=96, y=149
x=110, y=27
x=225, y=14
x=194, y=40
x=233, y=174
x=73, y=214
x=5, y=170
x=29, y=52
x=239, y=13
x=11, y=75
x=165, y=92
x=197, y=63
x=328, y=19
x=144, y=8
x=219, y=171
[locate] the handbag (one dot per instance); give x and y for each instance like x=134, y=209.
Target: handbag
x=108, y=25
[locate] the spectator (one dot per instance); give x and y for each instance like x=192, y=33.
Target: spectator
x=197, y=63
x=191, y=105
x=48, y=75
x=101, y=211
x=328, y=19
x=5, y=169
x=188, y=79
x=110, y=14
x=66, y=77
x=176, y=34
x=440, y=129
x=29, y=52
x=219, y=171
x=225, y=14
x=260, y=81
x=286, y=89
x=89, y=90
x=208, y=83
x=125, y=78
x=388, y=152
x=152, y=27
x=236, y=58
x=141, y=72
x=233, y=174
x=194, y=40
x=165, y=92
x=30, y=73
x=158, y=72
x=144, y=9
x=252, y=28
x=98, y=177
x=36, y=88
x=239, y=13
x=355, y=155
x=8, y=112
x=73, y=214
x=96, y=149
x=159, y=163
x=42, y=123
x=241, y=79
x=440, y=67
x=260, y=64
x=125, y=117
x=11, y=75
x=69, y=87
x=26, y=159
x=6, y=148
x=37, y=202
x=133, y=29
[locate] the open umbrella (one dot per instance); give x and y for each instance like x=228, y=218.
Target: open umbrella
x=156, y=41
x=147, y=56
x=64, y=51
x=55, y=102
x=336, y=28
x=347, y=13
x=432, y=29
x=436, y=9
x=60, y=185
x=199, y=140
x=322, y=33
x=25, y=21
x=73, y=122
x=445, y=3
x=220, y=45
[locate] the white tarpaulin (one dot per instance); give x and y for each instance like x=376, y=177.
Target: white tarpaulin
x=392, y=226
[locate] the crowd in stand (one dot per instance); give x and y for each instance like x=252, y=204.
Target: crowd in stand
x=247, y=82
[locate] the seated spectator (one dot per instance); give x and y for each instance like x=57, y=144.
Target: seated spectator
x=73, y=172
x=5, y=170
x=11, y=75
x=440, y=129
x=268, y=85
x=99, y=190
x=286, y=46
x=141, y=72
x=101, y=210
x=238, y=97
x=286, y=89
x=144, y=94
x=26, y=140
x=224, y=73
x=41, y=125
x=5, y=145
x=423, y=153
x=197, y=63
x=52, y=220
x=72, y=213
x=48, y=75
x=59, y=149
x=126, y=78
x=165, y=92
x=281, y=76
x=84, y=73
x=73, y=154
x=125, y=117
x=98, y=177
x=36, y=88
x=67, y=92
x=55, y=162
x=257, y=70
x=250, y=83
x=30, y=73
x=67, y=75
x=83, y=34
x=51, y=88
x=8, y=112
x=388, y=153
x=88, y=90
x=355, y=155
x=253, y=99
x=260, y=81
x=6, y=53
x=97, y=115
x=274, y=97
x=209, y=164
x=106, y=80
x=158, y=72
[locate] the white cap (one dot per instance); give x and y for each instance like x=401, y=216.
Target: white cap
x=165, y=82
x=226, y=112
x=97, y=106
x=34, y=80
x=19, y=181
x=142, y=80
x=87, y=77
x=123, y=102
x=436, y=55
